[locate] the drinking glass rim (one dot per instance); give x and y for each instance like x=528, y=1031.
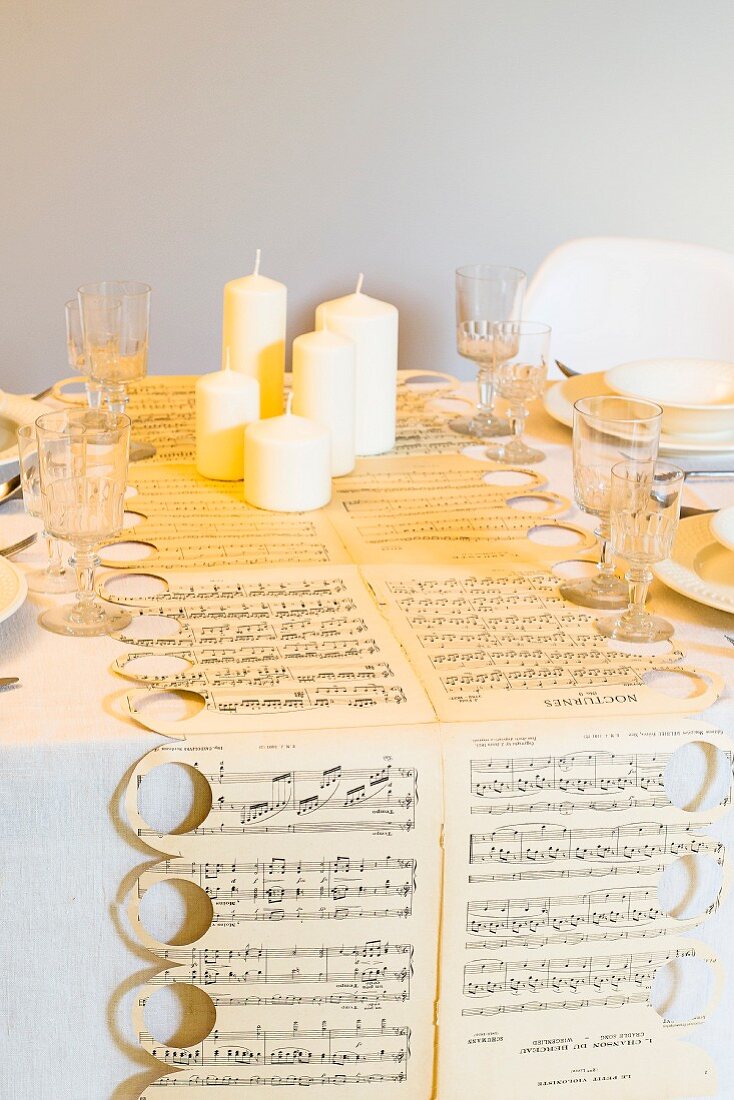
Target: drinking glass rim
x=659, y=464
x=467, y=271
x=613, y=398
x=125, y=288
x=114, y=422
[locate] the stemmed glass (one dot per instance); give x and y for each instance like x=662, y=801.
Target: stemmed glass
x=115, y=320
x=645, y=509
x=485, y=294
x=75, y=353
x=83, y=461
x=605, y=431
x=55, y=577
x=520, y=370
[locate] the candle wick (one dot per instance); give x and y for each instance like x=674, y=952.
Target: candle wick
x=360, y=280
x=257, y=262
x=288, y=403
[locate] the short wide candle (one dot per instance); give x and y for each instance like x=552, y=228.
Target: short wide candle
x=225, y=403
x=287, y=464
x=254, y=331
x=323, y=390
x=373, y=326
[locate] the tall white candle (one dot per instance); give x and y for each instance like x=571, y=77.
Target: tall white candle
x=373, y=326
x=287, y=464
x=225, y=403
x=323, y=390
x=254, y=330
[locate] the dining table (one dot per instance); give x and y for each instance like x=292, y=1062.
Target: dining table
x=68, y=857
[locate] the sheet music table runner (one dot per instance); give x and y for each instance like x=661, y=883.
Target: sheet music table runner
x=63, y=752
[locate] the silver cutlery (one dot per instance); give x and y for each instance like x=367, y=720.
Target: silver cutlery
x=709, y=475
x=7, y=682
x=566, y=370
x=10, y=488
x=23, y=544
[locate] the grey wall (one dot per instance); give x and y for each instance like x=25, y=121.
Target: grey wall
x=165, y=140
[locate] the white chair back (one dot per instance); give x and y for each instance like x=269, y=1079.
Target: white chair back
x=610, y=300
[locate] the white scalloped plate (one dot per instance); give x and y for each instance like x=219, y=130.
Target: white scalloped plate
x=558, y=403
x=23, y=410
x=700, y=567
x=13, y=589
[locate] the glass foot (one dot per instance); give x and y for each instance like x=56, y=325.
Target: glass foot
x=636, y=628
x=97, y=620
x=42, y=580
x=139, y=451
x=609, y=595
x=515, y=452
x=480, y=427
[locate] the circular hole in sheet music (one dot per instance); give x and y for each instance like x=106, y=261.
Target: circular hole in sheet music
x=174, y=798
x=572, y=569
x=154, y=666
x=675, y=683
x=682, y=989
x=508, y=477
x=698, y=777
x=168, y=705
x=134, y=585
x=690, y=886
x=532, y=503
x=131, y=519
x=129, y=550
x=554, y=534
x=179, y=1015
x=176, y=911
x=146, y=627
x=130, y=492
x=73, y=391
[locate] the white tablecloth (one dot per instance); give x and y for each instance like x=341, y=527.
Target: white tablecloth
x=67, y=973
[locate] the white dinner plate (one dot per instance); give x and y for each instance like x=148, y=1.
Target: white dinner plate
x=697, y=395
x=559, y=400
x=699, y=567
x=16, y=410
x=13, y=588
x=722, y=527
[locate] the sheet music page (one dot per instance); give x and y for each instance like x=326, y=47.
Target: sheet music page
x=422, y=424
x=321, y=861
x=163, y=410
x=556, y=838
x=194, y=523
x=443, y=508
x=503, y=643
x=270, y=649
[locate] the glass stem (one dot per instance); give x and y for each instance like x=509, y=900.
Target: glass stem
x=517, y=414
x=485, y=387
x=639, y=580
x=606, y=577
x=56, y=566
x=95, y=393
x=117, y=398
x=85, y=564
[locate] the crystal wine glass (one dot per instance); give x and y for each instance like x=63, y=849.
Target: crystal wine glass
x=55, y=577
x=485, y=294
x=645, y=509
x=75, y=351
x=83, y=461
x=605, y=431
x=520, y=370
x=115, y=321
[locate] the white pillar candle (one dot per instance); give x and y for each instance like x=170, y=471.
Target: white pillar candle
x=225, y=403
x=287, y=464
x=373, y=326
x=254, y=330
x=323, y=390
